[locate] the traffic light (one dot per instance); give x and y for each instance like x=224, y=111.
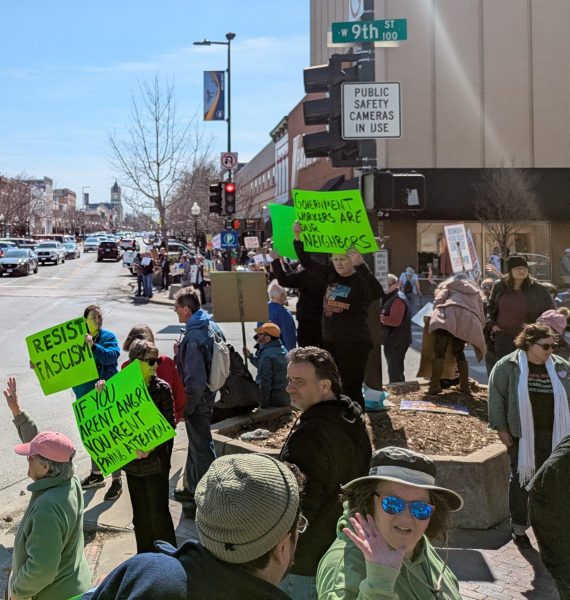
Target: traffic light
x=327, y=111
x=229, y=197
x=216, y=198
x=384, y=190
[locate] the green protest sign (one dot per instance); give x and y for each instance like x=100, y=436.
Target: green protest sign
x=282, y=219
x=333, y=221
x=115, y=423
x=61, y=356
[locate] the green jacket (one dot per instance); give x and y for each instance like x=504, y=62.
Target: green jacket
x=343, y=574
x=503, y=391
x=48, y=562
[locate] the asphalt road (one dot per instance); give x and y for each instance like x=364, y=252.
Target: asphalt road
x=58, y=293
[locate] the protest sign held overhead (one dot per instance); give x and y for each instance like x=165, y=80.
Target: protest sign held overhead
x=333, y=221
x=115, y=423
x=282, y=219
x=61, y=356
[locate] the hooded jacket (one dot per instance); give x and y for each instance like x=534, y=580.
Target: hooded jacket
x=194, y=359
x=458, y=309
x=271, y=379
x=329, y=443
x=187, y=573
x=344, y=574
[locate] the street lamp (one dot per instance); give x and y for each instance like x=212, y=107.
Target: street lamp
x=28, y=226
x=195, y=211
x=2, y=223
x=205, y=42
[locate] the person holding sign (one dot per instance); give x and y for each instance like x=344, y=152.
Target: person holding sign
x=105, y=348
x=350, y=288
x=48, y=560
x=147, y=476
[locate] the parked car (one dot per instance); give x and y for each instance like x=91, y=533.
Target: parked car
x=538, y=265
x=19, y=261
x=71, y=250
x=4, y=246
x=91, y=244
x=108, y=250
x=53, y=252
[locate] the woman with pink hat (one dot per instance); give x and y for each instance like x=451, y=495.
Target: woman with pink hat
x=557, y=320
x=48, y=562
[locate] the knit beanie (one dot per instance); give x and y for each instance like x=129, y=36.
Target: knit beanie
x=246, y=504
x=516, y=261
x=555, y=320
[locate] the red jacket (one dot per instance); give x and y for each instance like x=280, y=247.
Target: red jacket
x=167, y=370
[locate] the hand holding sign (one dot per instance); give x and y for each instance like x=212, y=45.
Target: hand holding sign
x=355, y=257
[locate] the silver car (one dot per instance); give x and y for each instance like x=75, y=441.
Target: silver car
x=91, y=244
x=53, y=252
x=71, y=250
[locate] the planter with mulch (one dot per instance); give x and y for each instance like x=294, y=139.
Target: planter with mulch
x=469, y=457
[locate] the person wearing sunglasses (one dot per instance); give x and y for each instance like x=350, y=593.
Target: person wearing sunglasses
x=148, y=475
x=383, y=547
x=529, y=393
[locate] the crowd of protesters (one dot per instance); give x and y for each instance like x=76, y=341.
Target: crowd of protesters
x=329, y=518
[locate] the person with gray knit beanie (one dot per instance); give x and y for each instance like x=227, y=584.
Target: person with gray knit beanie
x=248, y=522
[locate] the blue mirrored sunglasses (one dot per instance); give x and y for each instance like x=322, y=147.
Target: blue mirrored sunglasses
x=393, y=505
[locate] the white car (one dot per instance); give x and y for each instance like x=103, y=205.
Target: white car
x=91, y=244
x=53, y=252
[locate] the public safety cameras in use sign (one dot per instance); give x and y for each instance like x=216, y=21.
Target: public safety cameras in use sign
x=371, y=110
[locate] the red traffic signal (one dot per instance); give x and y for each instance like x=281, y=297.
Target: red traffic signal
x=229, y=197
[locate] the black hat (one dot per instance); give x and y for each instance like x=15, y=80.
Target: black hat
x=516, y=261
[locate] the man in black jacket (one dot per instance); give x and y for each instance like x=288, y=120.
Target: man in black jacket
x=548, y=501
x=248, y=522
x=329, y=444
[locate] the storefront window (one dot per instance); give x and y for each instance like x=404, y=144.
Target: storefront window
x=532, y=240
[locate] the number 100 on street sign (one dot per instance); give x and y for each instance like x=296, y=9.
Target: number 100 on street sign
x=383, y=30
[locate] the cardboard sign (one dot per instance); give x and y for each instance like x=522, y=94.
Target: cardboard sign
x=425, y=311
x=333, y=221
x=145, y=261
x=282, y=219
x=422, y=405
x=259, y=259
x=62, y=358
x=251, y=242
x=115, y=423
x=239, y=296
x=458, y=248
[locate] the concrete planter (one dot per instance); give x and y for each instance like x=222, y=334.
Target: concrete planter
x=481, y=477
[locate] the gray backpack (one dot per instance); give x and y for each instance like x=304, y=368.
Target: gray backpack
x=220, y=366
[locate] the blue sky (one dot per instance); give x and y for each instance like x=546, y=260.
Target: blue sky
x=68, y=71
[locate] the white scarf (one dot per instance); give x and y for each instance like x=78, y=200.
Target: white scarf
x=526, y=463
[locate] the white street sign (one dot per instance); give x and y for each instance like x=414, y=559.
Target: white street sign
x=381, y=268
x=228, y=160
x=371, y=110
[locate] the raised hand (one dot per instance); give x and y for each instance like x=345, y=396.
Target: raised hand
x=368, y=539
x=297, y=228
x=355, y=257
x=11, y=395
x=100, y=385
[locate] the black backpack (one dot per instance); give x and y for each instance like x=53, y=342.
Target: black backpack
x=408, y=287
x=240, y=388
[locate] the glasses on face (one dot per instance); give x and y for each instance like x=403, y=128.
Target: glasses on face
x=152, y=361
x=302, y=524
x=393, y=505
x=547, y=347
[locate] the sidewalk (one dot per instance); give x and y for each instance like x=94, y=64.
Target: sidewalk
x=488, y=565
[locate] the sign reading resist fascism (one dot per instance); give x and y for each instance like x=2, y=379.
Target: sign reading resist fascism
x=115, y=423
x=61, y=356
x=333, y=221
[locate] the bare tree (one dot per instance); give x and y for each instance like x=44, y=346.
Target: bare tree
x=506, y=197
x=158, y=149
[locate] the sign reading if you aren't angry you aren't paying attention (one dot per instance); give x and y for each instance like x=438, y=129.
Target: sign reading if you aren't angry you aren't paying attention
x=371, y=110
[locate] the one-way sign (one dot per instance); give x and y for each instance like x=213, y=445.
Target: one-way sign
x=371, y=110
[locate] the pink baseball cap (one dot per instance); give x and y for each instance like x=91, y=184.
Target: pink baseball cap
x=49, y=444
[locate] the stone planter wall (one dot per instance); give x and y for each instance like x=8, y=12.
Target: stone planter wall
x=481, y=477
